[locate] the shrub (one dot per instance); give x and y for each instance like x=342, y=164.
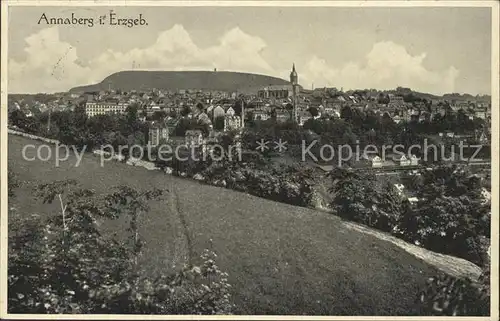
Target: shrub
x=63, y=264
x=288, y=184
x=361, y=198
x=444, y=295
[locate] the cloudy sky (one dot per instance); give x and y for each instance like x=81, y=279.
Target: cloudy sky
x=435, y=50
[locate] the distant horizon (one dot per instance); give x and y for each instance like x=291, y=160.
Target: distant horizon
x=430, y=49
x=244, y=72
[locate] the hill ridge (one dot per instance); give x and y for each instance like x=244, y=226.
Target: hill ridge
x=182, y=80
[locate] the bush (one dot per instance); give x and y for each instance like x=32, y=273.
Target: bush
x=12, y=183
x=449, y=296
x=289, y=184
x=451, y=216
x=62, y=264
x=361, y=198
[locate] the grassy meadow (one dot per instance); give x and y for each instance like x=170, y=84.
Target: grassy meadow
x=281, y=259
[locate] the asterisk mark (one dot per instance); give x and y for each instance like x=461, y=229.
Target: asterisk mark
x=262, y=145
x=280, y=145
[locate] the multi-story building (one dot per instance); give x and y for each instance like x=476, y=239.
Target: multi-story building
x=102, y=108
x=260, y=115
x=158, y=132
x=276, y=91
x=283, y=116
x=396, y=99
x=194, y=137
x=481, y=113
x=232, y=122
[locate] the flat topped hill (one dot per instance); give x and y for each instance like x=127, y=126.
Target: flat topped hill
x=175, y=80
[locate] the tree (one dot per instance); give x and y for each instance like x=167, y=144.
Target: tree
x=159, y=115
x=313, y=111
x=361, y=198
x=13, y=182
x=185, y=111
x=19, y=119
x=451, y=216
x=199, y=107
x=63, y=264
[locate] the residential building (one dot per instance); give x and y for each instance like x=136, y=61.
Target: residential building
x=413, y=160
x=102, y=108
x=218, y=112
x=282, y=115
x=260, y=115
x=232, y=122
x=481, y=113
x=303, y=117
x=402, y=160
x=376, y=162
x=193, y=137
x=230, y=111
x=158, y=133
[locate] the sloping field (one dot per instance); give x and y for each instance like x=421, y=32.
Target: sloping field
x=281, y=259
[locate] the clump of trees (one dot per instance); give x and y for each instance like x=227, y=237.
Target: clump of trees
x=63, y=264
x=451, y=216
x=77, y=129
x=362, y=198
x=286, y=184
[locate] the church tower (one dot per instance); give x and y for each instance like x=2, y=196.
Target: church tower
x=294, y=79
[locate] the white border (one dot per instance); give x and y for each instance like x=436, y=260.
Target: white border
x=494, y=5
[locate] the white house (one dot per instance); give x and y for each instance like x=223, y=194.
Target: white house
x=230, y=111
x=402, y=160
x=376, y=162
x=413, y=160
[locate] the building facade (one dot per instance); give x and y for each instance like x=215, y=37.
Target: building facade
x=232, y=122
x=103, y=108
x=158, y=133
x=194, y=137
x=276, y=91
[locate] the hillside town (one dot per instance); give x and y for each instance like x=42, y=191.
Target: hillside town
x=223, y=160
x=225, y=111
x=384, y=191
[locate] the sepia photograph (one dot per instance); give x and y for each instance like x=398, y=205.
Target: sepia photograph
x=237, y=159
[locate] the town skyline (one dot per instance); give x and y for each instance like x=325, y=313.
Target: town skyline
x=365, y=51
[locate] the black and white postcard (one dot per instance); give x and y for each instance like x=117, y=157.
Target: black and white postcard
x=249, y=159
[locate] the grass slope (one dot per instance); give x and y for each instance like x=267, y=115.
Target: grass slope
x=281, y=259
x=173, y=80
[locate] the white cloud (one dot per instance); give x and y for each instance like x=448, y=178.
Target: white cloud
x=50, y=64
x=388, y=65
x=173, y=50
x=53, y=65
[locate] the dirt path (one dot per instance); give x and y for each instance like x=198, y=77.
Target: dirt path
x=182, y=245
x=451, y=265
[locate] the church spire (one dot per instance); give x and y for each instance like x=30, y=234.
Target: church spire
x=293, y=76
x=294, y=80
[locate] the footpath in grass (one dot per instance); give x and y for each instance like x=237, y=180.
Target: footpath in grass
x=281, y=259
